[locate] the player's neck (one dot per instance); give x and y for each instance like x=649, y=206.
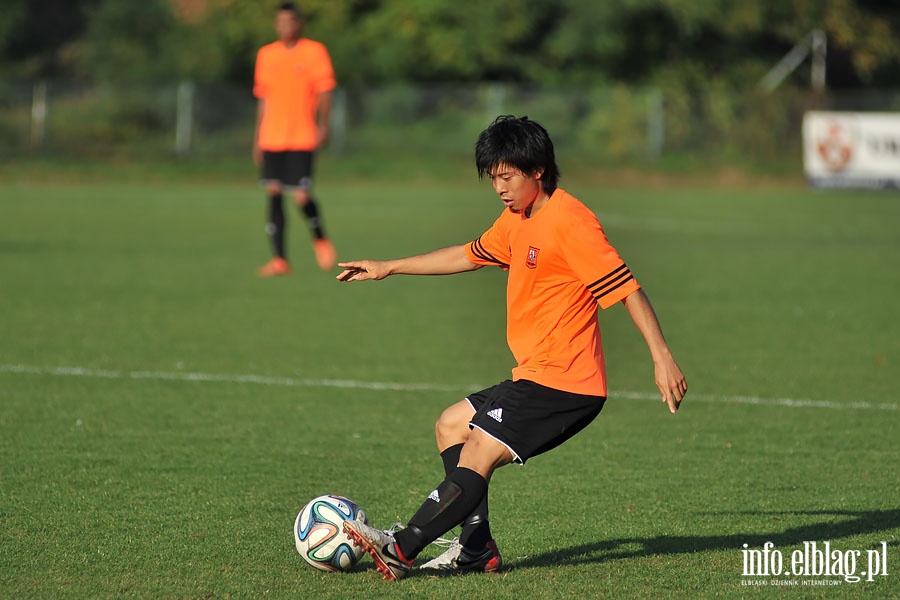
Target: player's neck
x=537, y=205
x=290, y=42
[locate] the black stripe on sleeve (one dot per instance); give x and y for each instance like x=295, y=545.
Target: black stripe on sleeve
x=610, y=282
x=478, y=250
x=606, y=278
x=599, y=295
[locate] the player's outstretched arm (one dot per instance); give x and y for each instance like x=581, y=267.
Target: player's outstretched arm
x=669, y=378
x=445, y=261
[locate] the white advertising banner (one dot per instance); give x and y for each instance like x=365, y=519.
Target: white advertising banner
x=851, y=149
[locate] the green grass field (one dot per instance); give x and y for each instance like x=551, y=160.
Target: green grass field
x=164, y=414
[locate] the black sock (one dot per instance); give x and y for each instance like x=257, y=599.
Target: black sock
x=275, y=226
x=476, y=530
x=450, y=458
x=310, y=210
x=446, y=507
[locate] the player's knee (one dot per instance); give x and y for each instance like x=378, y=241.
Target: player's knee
x=301, y=196
x=442, y=431
x=449, y=429
x=273, y=188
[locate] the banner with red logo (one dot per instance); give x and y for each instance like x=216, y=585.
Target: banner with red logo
x=851, y=149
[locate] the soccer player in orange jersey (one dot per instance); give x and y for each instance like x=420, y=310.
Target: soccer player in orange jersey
x=293, y=82
x=560, y=268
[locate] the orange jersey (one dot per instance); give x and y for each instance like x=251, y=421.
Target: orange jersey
x=561, y=266
x=290, y=81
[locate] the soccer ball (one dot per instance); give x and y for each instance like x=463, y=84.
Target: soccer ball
x=319, y=533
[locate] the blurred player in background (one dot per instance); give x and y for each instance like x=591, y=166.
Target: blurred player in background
x=561, y=267
x=293, y=83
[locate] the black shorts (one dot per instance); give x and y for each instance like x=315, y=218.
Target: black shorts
x=291, y=168
x=529, y=418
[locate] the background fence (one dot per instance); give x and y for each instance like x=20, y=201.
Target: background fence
x=618, y=125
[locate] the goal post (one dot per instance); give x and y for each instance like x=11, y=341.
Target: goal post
x=814, y=44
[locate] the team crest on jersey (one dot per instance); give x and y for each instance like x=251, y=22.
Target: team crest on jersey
x=531, y=259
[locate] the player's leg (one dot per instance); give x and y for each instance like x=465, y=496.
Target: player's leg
x=517, y=420
x=476, y=548
x=527, y=418
x=457, y=496
x=300, y=168
x=309, y=209
x=276, y=224
x=446, y=506
x=272, y=176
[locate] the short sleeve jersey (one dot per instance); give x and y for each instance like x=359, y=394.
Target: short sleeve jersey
x=290, y=81
x=561, y=266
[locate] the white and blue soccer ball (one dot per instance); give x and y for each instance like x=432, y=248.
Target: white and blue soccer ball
x=319, y=533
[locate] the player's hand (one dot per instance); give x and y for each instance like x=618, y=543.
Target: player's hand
x=257, y=155
x=361, y=270
x=671, y=383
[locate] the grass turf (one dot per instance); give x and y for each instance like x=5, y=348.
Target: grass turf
x=164, y=414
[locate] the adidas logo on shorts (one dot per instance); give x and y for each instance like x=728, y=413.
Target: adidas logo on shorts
x=496, y=414
x=433, y=496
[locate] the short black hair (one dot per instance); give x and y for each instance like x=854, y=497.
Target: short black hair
x=520, y=143
x=290, y=6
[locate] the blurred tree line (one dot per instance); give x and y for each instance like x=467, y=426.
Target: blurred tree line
x=684, y=43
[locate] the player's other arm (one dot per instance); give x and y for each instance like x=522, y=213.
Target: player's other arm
x=445, y=261
x=323, y=119
x=669, y=378
x=257, y=151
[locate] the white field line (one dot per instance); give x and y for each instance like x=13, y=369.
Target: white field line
x=789, y=402
x=408, y=387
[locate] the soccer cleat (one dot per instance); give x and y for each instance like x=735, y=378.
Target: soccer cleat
x=457, y=559
x=381, y=546
x=326, y=255
x=276, y=266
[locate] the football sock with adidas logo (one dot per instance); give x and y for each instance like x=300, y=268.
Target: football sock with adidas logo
x=476, y=530
x=446, y=507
